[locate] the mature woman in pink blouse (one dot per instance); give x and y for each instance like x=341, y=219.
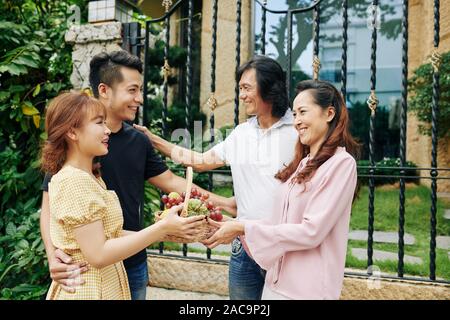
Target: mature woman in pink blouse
x=303, y=244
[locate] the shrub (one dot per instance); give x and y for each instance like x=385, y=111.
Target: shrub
x=420, y=101
x=35, y=64
x=386, y=167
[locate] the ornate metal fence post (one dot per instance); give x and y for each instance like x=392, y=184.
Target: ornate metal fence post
x=344, y=49
x=436, y=61
x=372, y=102
x=263, y=28
x=212, y=101
x=404, y=110
x=316, y=60
x=238, y=60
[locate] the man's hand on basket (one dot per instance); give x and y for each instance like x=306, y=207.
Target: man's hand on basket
x=175, y=225
x=226, y=232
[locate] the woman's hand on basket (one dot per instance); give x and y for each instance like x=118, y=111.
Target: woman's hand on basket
x=175, y=225
x=226, y=232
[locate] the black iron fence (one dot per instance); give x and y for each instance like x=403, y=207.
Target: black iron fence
x=132, y=42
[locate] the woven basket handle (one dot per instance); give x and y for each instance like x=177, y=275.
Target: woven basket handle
x=189, y=176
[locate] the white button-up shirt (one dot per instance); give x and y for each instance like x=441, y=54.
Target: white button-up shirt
x=255, y=155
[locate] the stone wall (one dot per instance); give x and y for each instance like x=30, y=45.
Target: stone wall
x=188, y=275
x=89, y=40
x=420, y=44
x=212, y=277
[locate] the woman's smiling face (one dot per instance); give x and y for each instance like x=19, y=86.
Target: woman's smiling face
x=311, y=120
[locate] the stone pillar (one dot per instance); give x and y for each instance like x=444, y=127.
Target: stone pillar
x=420, y=47
x=89, y=40
x=225, y=59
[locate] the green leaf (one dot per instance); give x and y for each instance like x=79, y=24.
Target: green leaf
x=17, y=88
x=25, y=261
x=37, y=120
x=57, y=86
x=28, y=109
x=36, y=242
x=48, y=86
x=37, y=90
x=28, y=206
x=4, y=95
x=23, y=244
x=43, y=135
x=15, y=69
x=26, y=61
x=6, y=293
x=5, y=238
x=25, y=287
x=40, y=34
x=17, y=254
x=11, y=229
x=24, y=126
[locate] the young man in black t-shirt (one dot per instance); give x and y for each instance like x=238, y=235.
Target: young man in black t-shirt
x=116, y=80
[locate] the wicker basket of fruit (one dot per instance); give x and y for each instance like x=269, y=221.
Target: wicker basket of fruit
x=194, y=203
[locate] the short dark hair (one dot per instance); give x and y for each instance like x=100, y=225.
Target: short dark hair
x=271, y=80
x=105, y=68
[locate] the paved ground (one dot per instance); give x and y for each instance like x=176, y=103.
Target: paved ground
x=154, y=293
x=378, y=255
x=447, y=214
x=219, y=248
x=380, y=236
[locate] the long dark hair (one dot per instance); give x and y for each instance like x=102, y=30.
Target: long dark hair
x=271, y=81
x=338, y=135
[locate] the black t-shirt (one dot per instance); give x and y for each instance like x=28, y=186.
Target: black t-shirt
x=131, y=161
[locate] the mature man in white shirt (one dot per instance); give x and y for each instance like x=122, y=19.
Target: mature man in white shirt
x=255, y=150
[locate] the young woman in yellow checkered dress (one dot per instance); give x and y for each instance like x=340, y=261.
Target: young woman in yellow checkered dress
x=86, y=218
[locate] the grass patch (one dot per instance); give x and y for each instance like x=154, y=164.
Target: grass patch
x=417, y=223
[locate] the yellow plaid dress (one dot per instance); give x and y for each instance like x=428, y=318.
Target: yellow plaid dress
x=77, y=198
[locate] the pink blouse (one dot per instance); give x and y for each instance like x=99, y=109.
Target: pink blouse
x=303, y=244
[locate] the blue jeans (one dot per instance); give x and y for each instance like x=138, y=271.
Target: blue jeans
x=138, y=281
x=246, y=277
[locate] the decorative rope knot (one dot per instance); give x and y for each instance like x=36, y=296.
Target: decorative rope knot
x=436, y=60
x=316, y=67
x=372, y=102
x=166, y=70
x=87, y=91
x=167, y=4
x=212, y=102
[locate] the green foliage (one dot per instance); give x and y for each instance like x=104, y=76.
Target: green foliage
x=175, y=114
x=177, y=57
x=386, y=139
x=177, y=109
x=35, y=65
x=387, y=167
x=420, y=102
